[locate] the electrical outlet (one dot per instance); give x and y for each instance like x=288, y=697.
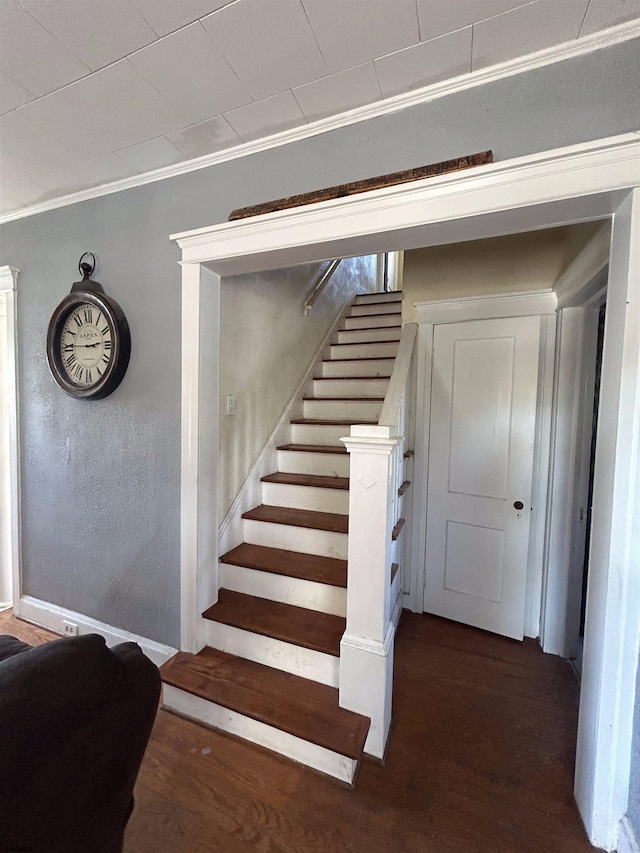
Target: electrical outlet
x=231, y=405
x=69, y=629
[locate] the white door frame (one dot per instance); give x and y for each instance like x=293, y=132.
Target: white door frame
x=10, y=498
x=541, y=303
x=594, y=180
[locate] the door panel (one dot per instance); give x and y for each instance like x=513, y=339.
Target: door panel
x=483, y=407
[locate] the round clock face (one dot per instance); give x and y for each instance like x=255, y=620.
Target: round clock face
x=88, y=344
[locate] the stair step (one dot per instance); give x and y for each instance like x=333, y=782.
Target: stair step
x=293, y=564
x=298, y=706
x=364, y=310
x=313, y=492
x=383, y=297
x=372, y=321
x=345, y=408
x=333, y=522
x=370, y=349
x=313, y=448
x=320, y=632
x=358, y=387
x=308, y=458
x=356, y=336
x=307, y=480
x=343, y=367
x=328, y=422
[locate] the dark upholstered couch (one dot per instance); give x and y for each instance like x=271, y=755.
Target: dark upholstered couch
x=75, y=719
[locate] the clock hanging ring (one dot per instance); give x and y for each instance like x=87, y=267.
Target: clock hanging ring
x=88, y=340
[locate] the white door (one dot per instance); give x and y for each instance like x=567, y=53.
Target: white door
x=481, y=442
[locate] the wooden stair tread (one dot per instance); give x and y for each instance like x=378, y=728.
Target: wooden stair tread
x=381, y=314
x=320, y=632
x=331, y=521
x=330, y=422
x=343, y=399
x=366, y=343
x=310, y=567
x=371, y=328
x=367, y=358
x=317, y=480
x=350, y=378
x=299, y=706
x=313, y=448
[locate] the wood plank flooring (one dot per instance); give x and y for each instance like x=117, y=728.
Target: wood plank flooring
x=480, y=760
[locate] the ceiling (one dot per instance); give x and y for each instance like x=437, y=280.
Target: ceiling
x=94, y=91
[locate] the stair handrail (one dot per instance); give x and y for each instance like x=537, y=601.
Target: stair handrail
x=320, y=286
x=391, y=408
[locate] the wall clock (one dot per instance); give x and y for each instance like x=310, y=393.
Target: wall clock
x=88, y=341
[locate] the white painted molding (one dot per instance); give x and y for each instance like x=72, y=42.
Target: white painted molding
x=584, y=268
x=9, y=286
x=198, y=453
x=627, y=840
x=558, y=53
x=541, y=190
x=9, y=278
x=51, y=616
x=390, y=414
x=373, y=647
x=230, y=531
x=490, y=307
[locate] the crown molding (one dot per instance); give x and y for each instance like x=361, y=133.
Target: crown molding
x=530, y=62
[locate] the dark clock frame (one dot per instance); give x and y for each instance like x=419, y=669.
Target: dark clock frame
x=120, y=336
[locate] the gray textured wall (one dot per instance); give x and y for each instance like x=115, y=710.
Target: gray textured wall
x=101, y=480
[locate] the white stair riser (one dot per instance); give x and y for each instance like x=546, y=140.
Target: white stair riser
x=365, y=310
x=303, y=462
x=306, y=663
x=352, y=410
x=376, y=350
x=375, y=367
x=350, y=387
x=371, y=321
x=389, y=296
x=318, y=434
x=306, y=497
x=356, y=336
x=300, y=593
x=290, y=538
x=211, y=714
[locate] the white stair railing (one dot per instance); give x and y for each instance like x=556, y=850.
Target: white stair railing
x=376, y=533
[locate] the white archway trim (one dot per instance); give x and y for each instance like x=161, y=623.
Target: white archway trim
x=596, y=180
x=9, y=286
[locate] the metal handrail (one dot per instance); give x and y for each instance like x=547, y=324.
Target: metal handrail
x=320, y=286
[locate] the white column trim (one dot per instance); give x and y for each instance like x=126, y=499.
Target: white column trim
x=627, y=840
x=199, y=451
x=9, y=286
x=488, y=307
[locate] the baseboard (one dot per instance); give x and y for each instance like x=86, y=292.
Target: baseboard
x=230, y=532
x=627, y=839
x=52, y=617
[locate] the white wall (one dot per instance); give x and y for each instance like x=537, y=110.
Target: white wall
x=266, y=346
x=5, y=554
x=508, y=264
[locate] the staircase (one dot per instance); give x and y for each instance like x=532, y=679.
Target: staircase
x=270, y=669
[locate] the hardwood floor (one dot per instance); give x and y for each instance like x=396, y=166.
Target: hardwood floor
x=480, y=760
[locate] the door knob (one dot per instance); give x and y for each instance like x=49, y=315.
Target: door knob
x=519, y=505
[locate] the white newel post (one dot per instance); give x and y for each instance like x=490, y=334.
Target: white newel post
x=366, y=650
